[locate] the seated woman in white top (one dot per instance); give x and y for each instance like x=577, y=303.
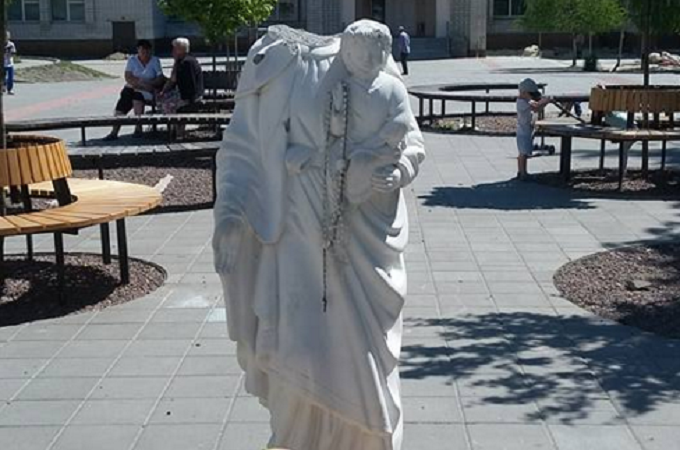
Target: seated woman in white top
x=143, y=77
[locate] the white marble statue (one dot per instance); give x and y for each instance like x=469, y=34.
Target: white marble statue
x=311, y=226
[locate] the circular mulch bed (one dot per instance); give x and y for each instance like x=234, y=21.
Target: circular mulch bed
x=28, y=289
x=636, y=286
x=606, y=183
x=190, y=187
x=501, y=125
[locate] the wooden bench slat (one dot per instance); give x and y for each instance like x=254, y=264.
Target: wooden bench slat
x=94, y=205
x=4, y=168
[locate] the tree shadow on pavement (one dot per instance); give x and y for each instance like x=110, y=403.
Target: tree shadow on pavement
x=574, y=367
x=504, y=195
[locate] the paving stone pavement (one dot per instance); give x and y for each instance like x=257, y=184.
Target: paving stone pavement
x=493, y=358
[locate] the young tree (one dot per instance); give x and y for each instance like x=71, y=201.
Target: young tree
x=576, y=17
x=653, y=17
x=540, y=16
x=219, y=19
x=589, y=17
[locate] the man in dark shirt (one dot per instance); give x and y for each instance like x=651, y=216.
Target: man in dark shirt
x=187, y=76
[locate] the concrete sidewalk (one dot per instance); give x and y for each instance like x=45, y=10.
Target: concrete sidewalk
x=493, y=358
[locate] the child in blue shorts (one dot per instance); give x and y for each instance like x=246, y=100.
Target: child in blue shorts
x=529, y=101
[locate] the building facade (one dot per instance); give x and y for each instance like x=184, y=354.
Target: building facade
x=100, y=27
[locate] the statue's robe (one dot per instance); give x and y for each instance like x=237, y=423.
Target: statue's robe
x=329, y=378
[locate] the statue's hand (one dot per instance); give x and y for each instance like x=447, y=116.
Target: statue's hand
x=227, y=243
x=298, y=158
x=386, y=179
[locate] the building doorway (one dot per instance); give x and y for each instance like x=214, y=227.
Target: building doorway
x=378, y=10
x=124, y=37
x=371, y=9
x=419, y=17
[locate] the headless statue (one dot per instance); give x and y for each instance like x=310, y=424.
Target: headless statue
x=310, y=230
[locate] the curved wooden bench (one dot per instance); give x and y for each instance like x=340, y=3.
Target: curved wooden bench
x=647, y=107
x=95, y=202
x=33, y=159
x=566, y=130
x=474, y=94
x=64, y=123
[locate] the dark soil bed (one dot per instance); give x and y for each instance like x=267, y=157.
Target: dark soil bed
x=189, y=189
x=502, y=125
x=657, y=185
x=28, y=289
x=638, y=286
x=492, y=125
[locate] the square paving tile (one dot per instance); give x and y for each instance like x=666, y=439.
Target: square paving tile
x=249, y=409
x=431, y=410
x=93, y=349
x=114, y=412
x=21, y=368
x=245, y=436
x=203, y=386
x=145, y=348
x=156, y=366
x=434, y=436
x=30, y=349
x=209, y=365
x=47, y=332
x=76, y=367
x=178, y=437
x=113, y=331
x=58, y=389
x=589, y=436
x=191, y=410
x=130, y=387
x=657, y=437
x=100, y=437
x=27, y=437
x=163, y=331
x=44, y=412
x=509, y=437
x=478, y=411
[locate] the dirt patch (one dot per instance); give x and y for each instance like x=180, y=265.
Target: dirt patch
x=493, y=125
x=657, y=185
x=189, y=189
x=638, y=286
x=60, y=72
x=28, y=289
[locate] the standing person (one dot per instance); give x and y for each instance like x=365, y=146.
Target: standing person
x=143, y=77
x=404, y=49
x=529, y=101
x=310, y=230
x=187, y=77
x=10, y=51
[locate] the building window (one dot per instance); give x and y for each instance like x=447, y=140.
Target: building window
x=24, y=11
x=286, y=11
x=508, y=8
x=68, y=10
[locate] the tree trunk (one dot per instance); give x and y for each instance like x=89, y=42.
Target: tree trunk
x=646, y=38
x=228, y=55
x=214, y=68
x=619, y=58
x=574, y=50
x=590, y=44
x=540, y=42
